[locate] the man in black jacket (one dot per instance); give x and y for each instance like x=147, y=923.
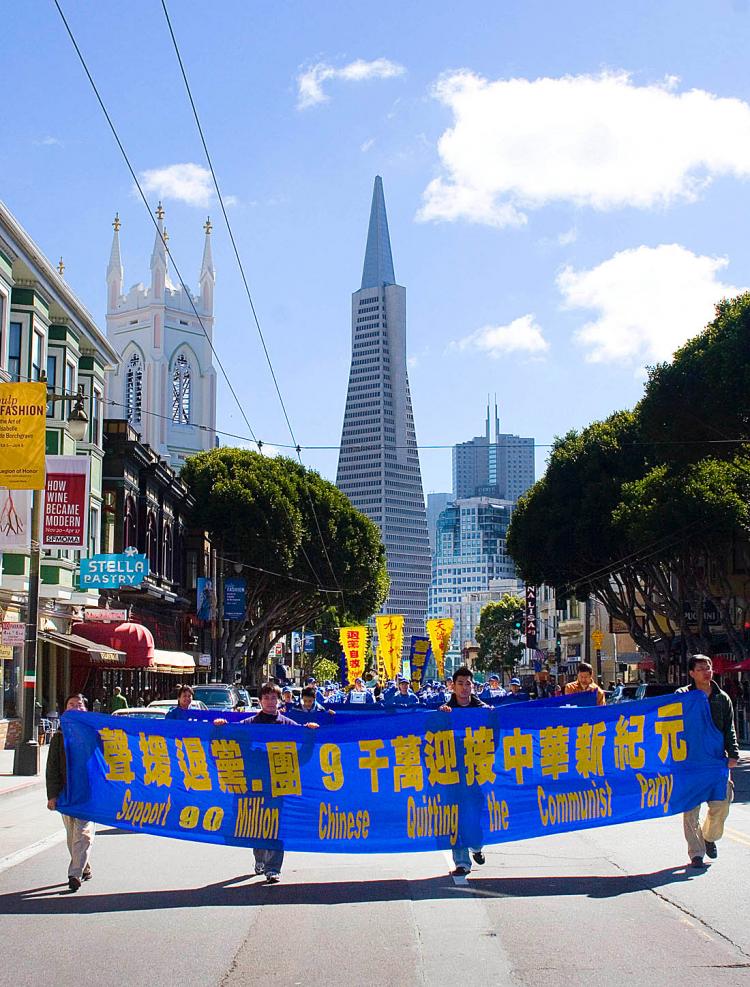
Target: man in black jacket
x=702, y=839
x=80, y=832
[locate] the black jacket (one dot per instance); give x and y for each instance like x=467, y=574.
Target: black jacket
x=55, y=775
x=722, y=714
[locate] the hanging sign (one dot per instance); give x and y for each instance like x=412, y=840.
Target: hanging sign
x=66, y=502
x=113, y=571
x=15, y=518
x=440, y=630
x=23, y=423
x=13, y=633
x=98, y=615
x=390, y=642
x=235, y=592
x=354, y=644
x=418, y=654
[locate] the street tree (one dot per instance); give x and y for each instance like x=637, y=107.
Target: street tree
x=498, y=634
x=303, y=548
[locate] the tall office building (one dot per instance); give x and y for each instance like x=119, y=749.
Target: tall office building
x=378, y=461
x=503, y=468
x=436, y=504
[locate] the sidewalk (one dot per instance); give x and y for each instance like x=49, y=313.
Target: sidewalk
x=13, y=783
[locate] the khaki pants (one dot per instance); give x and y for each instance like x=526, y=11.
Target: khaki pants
x=80, y=835
x=713, y=825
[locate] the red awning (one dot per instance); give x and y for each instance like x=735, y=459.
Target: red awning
x=723, y=665
x=135, y=640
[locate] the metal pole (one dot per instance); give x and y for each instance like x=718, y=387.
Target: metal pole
x=26, y=758
x=587, y=632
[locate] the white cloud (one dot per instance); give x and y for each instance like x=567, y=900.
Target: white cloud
x=598, y=141
x=189, y=183
x=412, y=361
x=522, y=335
x=49, y=141
x=648, y=300
x=568, y=237
x=366, y=145
x=310, y=90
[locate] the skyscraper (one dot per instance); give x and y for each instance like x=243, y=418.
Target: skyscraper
x=503, y=468
x=378, y=460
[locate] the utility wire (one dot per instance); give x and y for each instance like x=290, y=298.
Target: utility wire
x=297, y=447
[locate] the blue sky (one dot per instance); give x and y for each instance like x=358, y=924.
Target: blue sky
x=566, y=184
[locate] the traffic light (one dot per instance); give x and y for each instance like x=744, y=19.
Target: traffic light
x=518, y=621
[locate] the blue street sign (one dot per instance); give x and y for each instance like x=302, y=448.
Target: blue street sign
x=113, y=571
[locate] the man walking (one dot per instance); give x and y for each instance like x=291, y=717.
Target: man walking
x=118, y=700
x=702, y=839
x=80, y=832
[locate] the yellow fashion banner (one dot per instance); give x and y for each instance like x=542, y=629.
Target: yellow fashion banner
x=354, y=645
x=23, y=411
x=440, y=630
x=390, y=642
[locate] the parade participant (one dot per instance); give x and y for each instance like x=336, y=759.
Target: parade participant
x=359, y=695
x=287, y=698
x=404, y=696
x=585, y=683
x=544, y=688
x=492, y=689
x=269, y=861
x=515, y=686
x=702, y=839
x=309, y=703
x=464, y=698
x=184, y=702
x=80, y=832
x=118, y=700
x=320, y=696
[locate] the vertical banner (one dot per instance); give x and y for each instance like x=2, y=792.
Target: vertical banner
x=23, y=421
x=390, y=642
x=530, y=617
x=235, y=594
x=205, y=599
x=440, y=630
x=15, y=518
x=354, y=645
x=418, y=654
x=66, y=502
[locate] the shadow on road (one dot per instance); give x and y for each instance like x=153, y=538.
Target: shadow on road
x=45, y=901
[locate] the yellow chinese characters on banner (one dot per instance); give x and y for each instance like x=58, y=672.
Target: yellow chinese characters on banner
x=439, y=630
x=354, y=645
x=23, y=410
x=390, y=642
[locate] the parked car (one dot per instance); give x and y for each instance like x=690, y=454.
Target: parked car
x=217, y=696
x=143, y=712
x=244, y=698
x=167, y=704
x=623, y=693
x=647, y=689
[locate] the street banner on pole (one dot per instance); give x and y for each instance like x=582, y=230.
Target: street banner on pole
x=15, y=518
x=440, y=630
x=390, y=642
x=66, y=502
x=354, y=645
x=235, y=591
x=23, y=423
x=418, y=653
x=381, y=784
x=530, y=617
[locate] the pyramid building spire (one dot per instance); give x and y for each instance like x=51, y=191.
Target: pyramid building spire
x=378, y=266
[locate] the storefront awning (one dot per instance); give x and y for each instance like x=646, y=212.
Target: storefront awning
x=724, y=665
x=90, y=652
x=134, y=640
x=173, y=662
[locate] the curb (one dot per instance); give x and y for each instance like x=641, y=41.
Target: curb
x=32, y=783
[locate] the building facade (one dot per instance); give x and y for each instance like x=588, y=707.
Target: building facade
x=165, y=384
x=436, y=504
x=503, y=467
x=378, y=466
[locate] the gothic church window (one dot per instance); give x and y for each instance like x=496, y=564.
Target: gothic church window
x=181, y=385
x=134, y=389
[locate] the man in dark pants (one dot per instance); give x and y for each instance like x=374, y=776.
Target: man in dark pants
x=80, y=832
x=702, y=839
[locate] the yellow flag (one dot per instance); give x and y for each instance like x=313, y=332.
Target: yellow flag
x=354, y=645
x=439, y=630
x=23, y=422
x=390, y=642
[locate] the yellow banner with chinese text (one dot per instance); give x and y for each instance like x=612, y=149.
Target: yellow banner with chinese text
x=390, y=642
x=440, y=630
x=354, y=645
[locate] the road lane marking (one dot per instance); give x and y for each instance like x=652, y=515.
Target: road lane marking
x=738, y=837
x=13, y=859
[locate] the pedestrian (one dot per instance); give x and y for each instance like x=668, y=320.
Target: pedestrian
x=80, y=832
x=702, y=839
x=269, y=861
x=585, y=683
x=118, y=700
x=463, y=698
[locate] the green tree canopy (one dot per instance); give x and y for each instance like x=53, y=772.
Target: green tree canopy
x=498, y=636
x=305, y=547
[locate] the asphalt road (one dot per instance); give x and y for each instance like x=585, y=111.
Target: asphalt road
x=612, y=905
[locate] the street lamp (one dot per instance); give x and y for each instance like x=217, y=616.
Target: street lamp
x=26, y=759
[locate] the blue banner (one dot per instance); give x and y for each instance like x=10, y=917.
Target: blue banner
x=408, y=782
x=419, y=653
x=235, y=591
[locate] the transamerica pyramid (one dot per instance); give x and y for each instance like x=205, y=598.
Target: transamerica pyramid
x=378, y=460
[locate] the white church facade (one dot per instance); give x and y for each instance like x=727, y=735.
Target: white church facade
x=165, y=384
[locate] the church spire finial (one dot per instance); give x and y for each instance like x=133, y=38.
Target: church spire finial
x=378, y=266
x=207, y=226
x=61, y=266
x=116, y=223
x=160, y=211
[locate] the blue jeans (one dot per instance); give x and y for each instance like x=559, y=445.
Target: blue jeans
x=461, y=856
x=271, y=859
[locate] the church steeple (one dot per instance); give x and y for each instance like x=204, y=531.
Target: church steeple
x=378, y=266
x=114, y=268
x=208, y=275
x=159, y=257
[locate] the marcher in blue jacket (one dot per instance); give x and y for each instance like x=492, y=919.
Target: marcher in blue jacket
x=358, y=695
x=492, y=689
x=404, y=696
